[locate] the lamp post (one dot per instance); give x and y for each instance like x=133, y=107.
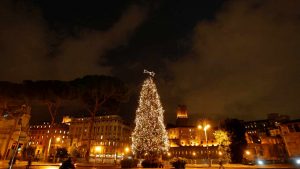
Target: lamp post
x=205, y=127
x=16, y=148
x=15, y=115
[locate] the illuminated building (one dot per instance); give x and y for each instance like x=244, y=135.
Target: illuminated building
x=110, y=136
x=188, y=141
x=182, y=115
x=264, y=139
x=290, y=132
x=40, y=134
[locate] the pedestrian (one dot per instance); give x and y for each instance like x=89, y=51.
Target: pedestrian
x=29, y=162
x=221, y=165
x=68, y=164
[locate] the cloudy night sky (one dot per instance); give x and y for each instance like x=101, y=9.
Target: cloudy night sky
x=221, y=58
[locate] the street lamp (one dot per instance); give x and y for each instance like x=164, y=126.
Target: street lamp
x=205, y=127
x=126, y=150
x=97, y=150
x=58, y=139
x=16, y=148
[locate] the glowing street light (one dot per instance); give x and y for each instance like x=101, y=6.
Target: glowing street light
x=58, y=139
x=126, y=150
x=247, y=152
x=98, y=149
x=205, y=127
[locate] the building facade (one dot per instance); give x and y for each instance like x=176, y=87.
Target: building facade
x=264, y=139
x=43, y=135
x=189, y=141
x=290, y=132
x=111, y=136
x=14, y=125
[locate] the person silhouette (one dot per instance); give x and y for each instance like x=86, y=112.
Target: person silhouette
x=221, y=165
x=29, y=162
x=68, y=164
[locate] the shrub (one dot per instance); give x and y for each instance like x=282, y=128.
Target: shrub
x=178, y=162
x=152, y=163
x=129, y=163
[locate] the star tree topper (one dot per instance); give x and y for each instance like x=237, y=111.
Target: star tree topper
x=149, y=72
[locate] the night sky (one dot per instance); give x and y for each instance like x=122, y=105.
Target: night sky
x=237, y=59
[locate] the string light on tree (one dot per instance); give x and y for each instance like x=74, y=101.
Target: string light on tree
x=149, y=135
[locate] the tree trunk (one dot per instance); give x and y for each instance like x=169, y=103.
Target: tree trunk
x=93, y=112
x=53, y=109
x=92, y=121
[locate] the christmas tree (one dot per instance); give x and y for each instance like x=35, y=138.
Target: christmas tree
x=149, y=136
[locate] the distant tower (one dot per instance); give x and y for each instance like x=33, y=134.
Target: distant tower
x=182, y=115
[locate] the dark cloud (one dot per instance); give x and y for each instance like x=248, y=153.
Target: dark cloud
x=29, y=49
x=245, y=64
x=84, y=55
x=22, y=42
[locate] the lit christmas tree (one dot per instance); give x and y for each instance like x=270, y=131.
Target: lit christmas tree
x=149, y=136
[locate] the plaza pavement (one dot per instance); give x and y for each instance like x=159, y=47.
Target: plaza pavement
x=45, y=165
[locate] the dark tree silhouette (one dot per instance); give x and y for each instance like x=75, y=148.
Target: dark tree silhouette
x=10, y=94
x=50, y=92
x=236, y=129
